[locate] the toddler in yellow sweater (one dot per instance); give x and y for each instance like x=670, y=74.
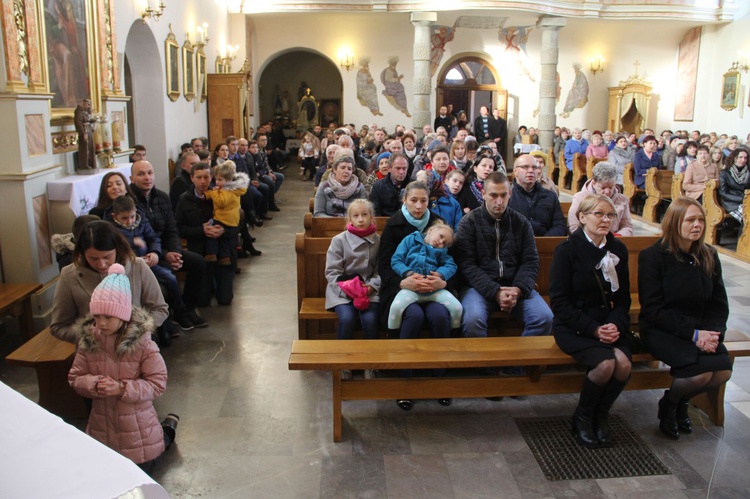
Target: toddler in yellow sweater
x=230, y=185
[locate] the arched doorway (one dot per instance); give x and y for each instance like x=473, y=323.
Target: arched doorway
x=144, y=82
x=285, y=72
x=470, y=82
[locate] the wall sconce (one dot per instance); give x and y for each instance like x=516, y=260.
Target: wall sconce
x=596, y=64
x=741, y=63
x=202, y=36
x=154, y=14
x=227, y=56
x=346, y=60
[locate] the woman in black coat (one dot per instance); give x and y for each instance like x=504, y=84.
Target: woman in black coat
x=590, y=300
x=733, y=180
x=414, y=215
x=684, y=312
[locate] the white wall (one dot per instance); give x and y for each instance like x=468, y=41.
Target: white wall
x=183, y=120
x=654, y=44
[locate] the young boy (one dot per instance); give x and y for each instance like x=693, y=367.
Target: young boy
x=454, y=182
x=147, y=245
x=230, y=185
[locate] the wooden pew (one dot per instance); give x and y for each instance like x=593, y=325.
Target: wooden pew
x=564, y=173
x=715, y=214
x=579, y=172
x=553, y=169
x=330, y=226
x=315, y=322
x=677, y=190
x=743, y=243
x=15, y=300
x=51, y=358
x=534, y=352
x=658, y=189
x=629, y=188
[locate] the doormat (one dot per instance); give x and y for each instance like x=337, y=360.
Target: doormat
x=562, y=458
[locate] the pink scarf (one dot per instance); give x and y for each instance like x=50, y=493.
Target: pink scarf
x=361, y=232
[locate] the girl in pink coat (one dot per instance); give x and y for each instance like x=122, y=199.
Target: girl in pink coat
x=120, y=368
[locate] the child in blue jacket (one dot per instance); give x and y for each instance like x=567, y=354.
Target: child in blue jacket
x=425, y=255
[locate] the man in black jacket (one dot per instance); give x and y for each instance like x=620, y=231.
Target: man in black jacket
x=498, y=261
x=158, y=209
x=443, y=119
x=182, y=182
x=192, y=218
x=386, y=192
x=539, y=205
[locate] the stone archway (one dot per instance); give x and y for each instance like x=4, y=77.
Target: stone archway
x=147, y=91
x=286, y=70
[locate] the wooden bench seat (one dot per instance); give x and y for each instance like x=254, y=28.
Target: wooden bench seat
x=454, y=353
x=579, y=172
x=314, y=322
x=15, y=301
x=630, y=190
x=658, y=189
x=52, y=359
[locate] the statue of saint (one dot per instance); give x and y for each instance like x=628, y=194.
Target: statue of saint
x=84, y=123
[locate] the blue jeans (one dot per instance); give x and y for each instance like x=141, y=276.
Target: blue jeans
x=532, y=310
x=166, y=278
x=348, y=321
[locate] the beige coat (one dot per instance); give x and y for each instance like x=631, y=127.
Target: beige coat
x=623, y=226
x=127, y=424
x=694, y=181
x=73, y=294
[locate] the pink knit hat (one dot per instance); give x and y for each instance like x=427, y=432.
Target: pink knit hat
x=112, y=297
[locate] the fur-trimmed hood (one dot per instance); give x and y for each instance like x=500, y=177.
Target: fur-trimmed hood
x=140, y=324
x=241, y=181
x=63, y=243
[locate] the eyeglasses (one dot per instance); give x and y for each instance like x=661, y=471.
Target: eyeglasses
x=529, y=167
x=601, y=214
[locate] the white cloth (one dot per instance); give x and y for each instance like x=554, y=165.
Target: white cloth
x=81, y=191
x=525, y=148
x=44, y=457
x=607, y=265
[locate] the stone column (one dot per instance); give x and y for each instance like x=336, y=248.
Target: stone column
x=550, y=27
x=422, y=81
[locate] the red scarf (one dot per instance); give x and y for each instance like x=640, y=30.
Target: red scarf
x=361, y=232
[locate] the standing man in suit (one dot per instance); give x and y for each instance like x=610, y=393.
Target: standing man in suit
x=482, y=125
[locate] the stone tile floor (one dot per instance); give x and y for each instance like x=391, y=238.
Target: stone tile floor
x=250, y=428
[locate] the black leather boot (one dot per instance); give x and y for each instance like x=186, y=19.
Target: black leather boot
x=683, y=419
x=668, y=417
x=583, y=419
x=601, y=415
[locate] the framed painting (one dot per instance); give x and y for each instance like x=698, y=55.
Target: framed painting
x=188, y=70
x=730, y=90
x=172, y=65
x=219, y=65
x=200, y=60
x=70, y=35
x=330, y=112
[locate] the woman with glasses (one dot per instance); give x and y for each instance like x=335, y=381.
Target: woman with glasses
x=603, y=182
x=590, y=300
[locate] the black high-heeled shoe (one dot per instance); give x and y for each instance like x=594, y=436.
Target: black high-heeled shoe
x=405, y=404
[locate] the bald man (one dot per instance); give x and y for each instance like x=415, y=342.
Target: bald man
x=539, y=205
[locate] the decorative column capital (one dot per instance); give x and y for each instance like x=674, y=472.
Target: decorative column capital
x=423, y=18
x=551, y=22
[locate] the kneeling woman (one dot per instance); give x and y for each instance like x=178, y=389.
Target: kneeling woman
x=590, y=299
x=684, y=312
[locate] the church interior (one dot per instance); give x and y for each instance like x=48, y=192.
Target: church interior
x=159, y=73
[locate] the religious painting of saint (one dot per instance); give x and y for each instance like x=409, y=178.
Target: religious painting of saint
x=515, y=39
x=578, y=95
x=440, y=37
x=367, y=92
x=394, y=89
x=730, y=90
x=330, y=110
x=67, y=51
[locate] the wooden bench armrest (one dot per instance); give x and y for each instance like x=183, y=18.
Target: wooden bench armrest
x=42, y=348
